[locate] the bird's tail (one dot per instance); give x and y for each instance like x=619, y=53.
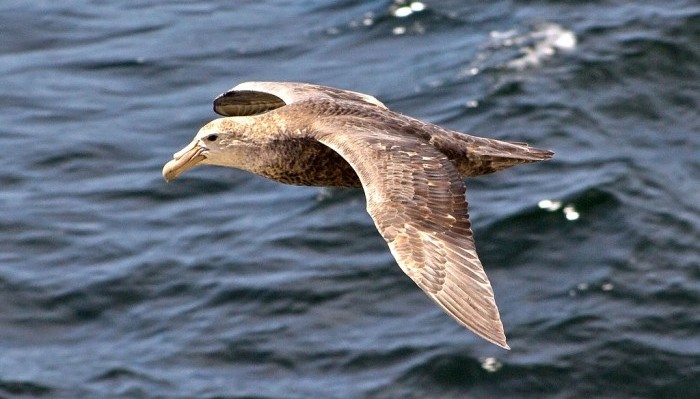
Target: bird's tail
x=476, y=156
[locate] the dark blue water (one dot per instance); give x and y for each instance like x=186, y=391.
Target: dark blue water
x=114, y=284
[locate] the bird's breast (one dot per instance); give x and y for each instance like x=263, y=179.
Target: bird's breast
x=305, y=162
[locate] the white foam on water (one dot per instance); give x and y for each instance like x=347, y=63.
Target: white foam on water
x=540, y=44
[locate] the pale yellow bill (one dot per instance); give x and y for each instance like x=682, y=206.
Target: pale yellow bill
x=183, y=160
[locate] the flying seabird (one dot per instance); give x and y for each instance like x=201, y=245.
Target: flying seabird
x=411, y=172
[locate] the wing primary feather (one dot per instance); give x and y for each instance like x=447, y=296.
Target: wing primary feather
x=417, y=201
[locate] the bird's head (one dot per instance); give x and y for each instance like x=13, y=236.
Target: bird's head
x=222, y=142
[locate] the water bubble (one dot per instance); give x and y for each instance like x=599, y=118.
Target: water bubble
x=570, y=213
x=565, y=41
x=491, y=364
x=407, y=9
x=417, y=6
x=550, y=205
x=402, y=12
x=399, y=30
x=472, y=104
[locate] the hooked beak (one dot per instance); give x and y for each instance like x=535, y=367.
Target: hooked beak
x=183, y=160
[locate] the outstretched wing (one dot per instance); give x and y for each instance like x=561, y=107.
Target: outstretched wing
x=417, y=200
x=252, y=98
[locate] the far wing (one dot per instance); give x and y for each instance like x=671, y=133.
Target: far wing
x=251, y=98
x=417, y=201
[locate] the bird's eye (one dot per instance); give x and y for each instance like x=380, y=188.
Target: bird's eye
x=212, y=137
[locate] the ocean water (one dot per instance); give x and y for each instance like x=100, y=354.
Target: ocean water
x=114, y=284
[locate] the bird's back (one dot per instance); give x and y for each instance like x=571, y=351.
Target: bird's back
x=471, y=155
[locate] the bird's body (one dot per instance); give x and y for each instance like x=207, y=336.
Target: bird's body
x=412, y=173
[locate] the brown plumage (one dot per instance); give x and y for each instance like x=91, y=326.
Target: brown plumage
x=411, y=171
